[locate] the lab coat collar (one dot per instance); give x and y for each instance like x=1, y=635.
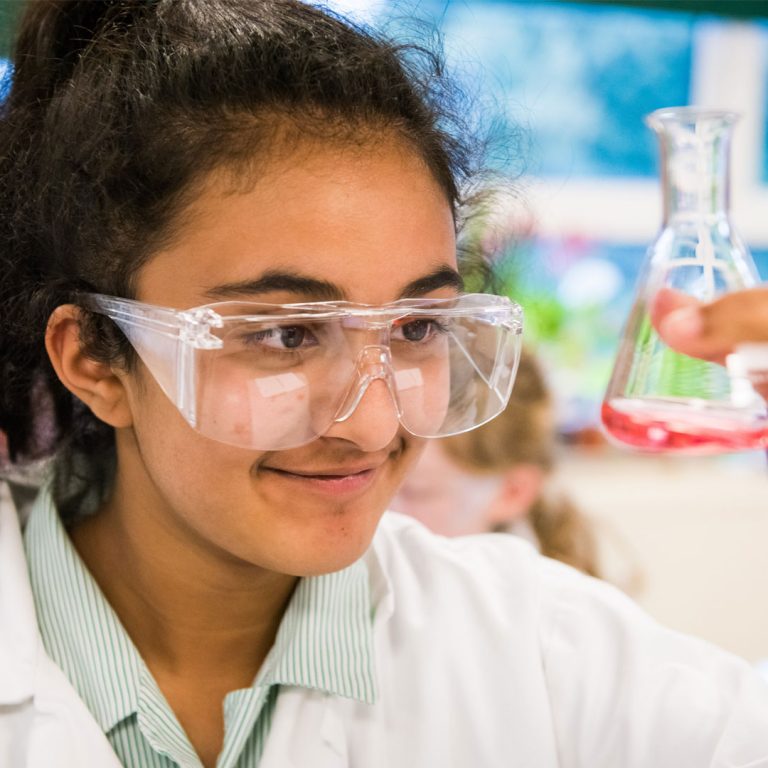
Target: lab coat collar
x=307, y=729
x=20, y=642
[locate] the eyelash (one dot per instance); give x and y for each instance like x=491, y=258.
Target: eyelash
x=436, y=327
x=258, y=338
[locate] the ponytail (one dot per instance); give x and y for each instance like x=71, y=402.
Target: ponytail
x=564, y=533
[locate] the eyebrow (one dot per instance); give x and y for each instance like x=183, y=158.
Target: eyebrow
x=278, y=280
x=323, y=290
x=442, y=277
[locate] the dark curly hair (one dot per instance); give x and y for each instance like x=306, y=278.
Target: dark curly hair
x=117, y=108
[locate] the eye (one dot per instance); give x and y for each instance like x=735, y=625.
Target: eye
x=283, y=337
x=419, y=330
x=293, y=336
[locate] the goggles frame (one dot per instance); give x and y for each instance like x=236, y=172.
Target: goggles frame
x=191, y=329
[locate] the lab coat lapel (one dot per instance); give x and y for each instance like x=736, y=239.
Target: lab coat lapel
x=306, y=732
x=19, y=636
x=58, y=730
x=64, y=734
x=308, y=726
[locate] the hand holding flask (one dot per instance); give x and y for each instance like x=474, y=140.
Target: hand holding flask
x=658, y=399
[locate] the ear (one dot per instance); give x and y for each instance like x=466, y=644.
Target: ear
x=95, y=383
x=520, y=488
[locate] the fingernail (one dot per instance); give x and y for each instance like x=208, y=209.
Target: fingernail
x=686, y=322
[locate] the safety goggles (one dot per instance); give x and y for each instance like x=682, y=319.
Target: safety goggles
x=277, y=376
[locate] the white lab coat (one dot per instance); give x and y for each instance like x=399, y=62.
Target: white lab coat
x=487, y=655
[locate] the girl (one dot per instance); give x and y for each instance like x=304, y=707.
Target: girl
x=232, y=311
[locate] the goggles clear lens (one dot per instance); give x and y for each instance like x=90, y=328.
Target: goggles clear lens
x=272, y=377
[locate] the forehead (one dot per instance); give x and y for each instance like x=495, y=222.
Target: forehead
x=369, y=220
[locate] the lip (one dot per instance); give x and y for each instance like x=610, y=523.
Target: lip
x=337, y=481
x=337, y=471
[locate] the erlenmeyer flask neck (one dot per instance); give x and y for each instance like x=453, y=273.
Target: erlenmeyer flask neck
x=695, y=158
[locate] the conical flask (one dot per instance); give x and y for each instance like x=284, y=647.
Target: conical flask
x=659, y=400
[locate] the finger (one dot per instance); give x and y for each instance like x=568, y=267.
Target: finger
x=737, y=317
x=679, y=321
x=668, y=300
x=711, y=331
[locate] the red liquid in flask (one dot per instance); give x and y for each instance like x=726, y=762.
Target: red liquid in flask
x=666, y=426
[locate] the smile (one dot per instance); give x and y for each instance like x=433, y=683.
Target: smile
x=336, y=483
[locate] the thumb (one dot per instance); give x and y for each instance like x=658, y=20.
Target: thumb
x=710, y=331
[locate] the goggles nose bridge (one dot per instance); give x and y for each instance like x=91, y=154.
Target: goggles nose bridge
x=374, y=362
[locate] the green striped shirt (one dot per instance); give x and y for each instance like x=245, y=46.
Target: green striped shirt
x=324, y=642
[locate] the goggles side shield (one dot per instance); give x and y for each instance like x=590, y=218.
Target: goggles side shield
x=276, y=376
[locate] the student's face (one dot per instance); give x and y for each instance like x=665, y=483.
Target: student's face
x=369, y=221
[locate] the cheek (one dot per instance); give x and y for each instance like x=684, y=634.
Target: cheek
x=261, y=411
x=198, y=479
x=269, y=410
x=424, y=392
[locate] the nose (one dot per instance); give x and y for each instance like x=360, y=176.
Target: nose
x=369, y=417
x=373, y=423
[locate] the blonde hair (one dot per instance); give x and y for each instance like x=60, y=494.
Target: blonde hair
x=525, y=433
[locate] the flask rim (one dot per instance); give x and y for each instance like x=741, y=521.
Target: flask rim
x=661, y=117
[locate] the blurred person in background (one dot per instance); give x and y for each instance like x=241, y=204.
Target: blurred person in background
x=498, y=477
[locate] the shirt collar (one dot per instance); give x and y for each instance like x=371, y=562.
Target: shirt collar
x=324, y=640
x=80, y=630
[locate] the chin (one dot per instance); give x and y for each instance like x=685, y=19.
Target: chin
x=332, y=546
